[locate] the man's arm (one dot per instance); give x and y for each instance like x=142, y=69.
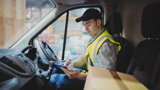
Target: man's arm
x=79, y=62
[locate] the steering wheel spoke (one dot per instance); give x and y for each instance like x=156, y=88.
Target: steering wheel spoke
x=45, y=51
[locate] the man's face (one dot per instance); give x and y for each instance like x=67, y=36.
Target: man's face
x=91, y=27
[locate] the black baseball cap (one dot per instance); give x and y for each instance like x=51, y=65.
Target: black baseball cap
x=90, y=14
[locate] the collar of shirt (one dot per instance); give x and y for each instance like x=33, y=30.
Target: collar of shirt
x=94, y=37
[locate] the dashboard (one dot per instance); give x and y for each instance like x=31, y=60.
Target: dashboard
x=27, y=68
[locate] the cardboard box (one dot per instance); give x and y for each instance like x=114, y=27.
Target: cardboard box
x=101, y=79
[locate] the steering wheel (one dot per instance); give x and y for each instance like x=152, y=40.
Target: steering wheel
x=46, y=53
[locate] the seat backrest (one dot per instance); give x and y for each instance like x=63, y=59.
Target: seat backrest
x=155, y=77
x=145, y=64
x=115, y=28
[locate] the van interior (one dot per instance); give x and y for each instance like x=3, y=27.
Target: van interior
x=50, y=35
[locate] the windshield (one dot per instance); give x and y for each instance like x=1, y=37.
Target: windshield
x=19, y=16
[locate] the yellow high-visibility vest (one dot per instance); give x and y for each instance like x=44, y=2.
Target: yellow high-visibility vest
x=93, y=47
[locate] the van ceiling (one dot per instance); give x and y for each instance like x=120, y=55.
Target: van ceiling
x=73, y=2
x=130, y=10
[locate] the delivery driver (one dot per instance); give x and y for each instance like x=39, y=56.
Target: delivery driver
x=101, y=52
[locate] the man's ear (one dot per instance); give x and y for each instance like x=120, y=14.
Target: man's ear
x=99, y=22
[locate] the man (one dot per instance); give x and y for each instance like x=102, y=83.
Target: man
x=101, y=50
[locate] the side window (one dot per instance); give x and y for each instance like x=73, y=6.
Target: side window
x=75, y=39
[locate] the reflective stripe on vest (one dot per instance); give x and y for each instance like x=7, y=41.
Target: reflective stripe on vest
x=93, y=47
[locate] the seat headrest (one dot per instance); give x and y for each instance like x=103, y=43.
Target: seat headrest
x=115, y=23
x=150, y=26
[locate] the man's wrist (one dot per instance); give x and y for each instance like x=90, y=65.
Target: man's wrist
x=82, y=76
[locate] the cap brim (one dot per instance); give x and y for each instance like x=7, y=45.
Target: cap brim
x=83, y=18
x=78, y=19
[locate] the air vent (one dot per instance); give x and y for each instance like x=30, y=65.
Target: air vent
x=12, y=64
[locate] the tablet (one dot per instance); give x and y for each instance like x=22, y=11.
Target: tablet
x=66, y=71
x=58, y=67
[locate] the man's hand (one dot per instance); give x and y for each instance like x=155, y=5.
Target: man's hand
x=74, y=74
x=68, y=63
